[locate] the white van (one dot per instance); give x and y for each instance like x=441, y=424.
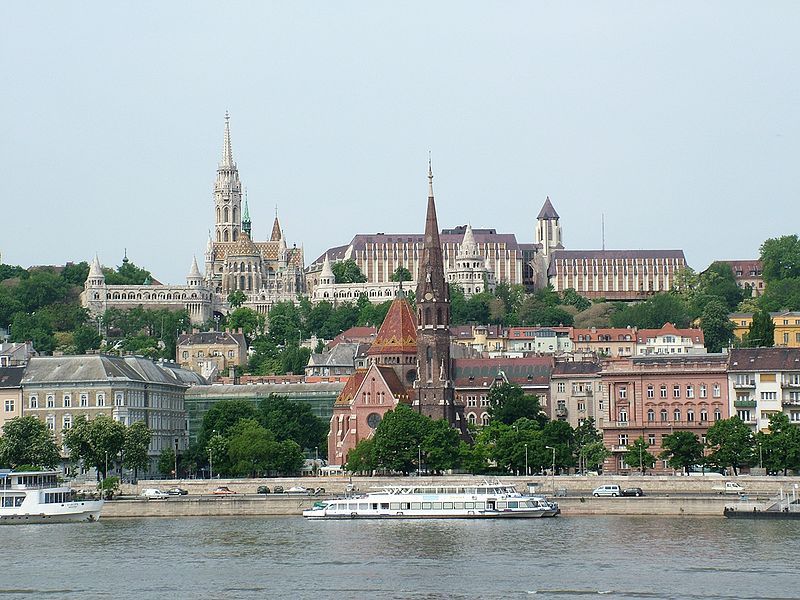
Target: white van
x=154, y=494
x=607, y=490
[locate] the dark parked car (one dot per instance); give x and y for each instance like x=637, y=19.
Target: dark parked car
x=262, y=489
x=632, y=491
x=176, y=491
x=278, y=489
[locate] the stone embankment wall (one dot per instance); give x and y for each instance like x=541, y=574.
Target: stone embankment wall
x=688, y=496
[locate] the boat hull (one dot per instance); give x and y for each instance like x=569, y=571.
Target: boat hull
x=761, y=514
x=310, y=514
x=88, y=512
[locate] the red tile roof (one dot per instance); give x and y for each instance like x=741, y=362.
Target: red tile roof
x=398, y=333
x=351, y=387
x=530, y=370
x=696, y=335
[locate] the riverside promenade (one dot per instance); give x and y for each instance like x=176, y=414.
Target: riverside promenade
x=665, y=495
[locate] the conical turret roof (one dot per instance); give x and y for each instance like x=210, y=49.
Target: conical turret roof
x=194, y=270
x=548, y=212
x=327, y=270
x=244, y=246
x=95, y=270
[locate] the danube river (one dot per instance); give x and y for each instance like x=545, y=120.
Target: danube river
x=566, y=557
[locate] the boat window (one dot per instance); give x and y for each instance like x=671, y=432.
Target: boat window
x=448, y=506
x=482, y=491
x=459, y=505
x=437, y=506
x=470, y=491
x=353, y=506
x=405, y=506
x=375, y=506
x=480, y=505
x=385, y=505
x=363, y=506
x=426, y=506
x=501, y=505
x=469, y=505
x=418, y=491
x=452, y=490
x=394, y=506
x=416, y=506
x=513, y=505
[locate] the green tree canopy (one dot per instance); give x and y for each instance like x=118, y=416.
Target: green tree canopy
x=682, y=449
x=781, y=445
x=236, y=298
x=717, y=327
x=638, y=457
x=223, y=416
x=290, y=420
x=781, y=294
x=97, y=442
x=249, y=321
x=361, y=459
x=347, y=271
x=731, y=443
x=166, y=463
x=780, y=258
x=761, y=333
x=136, y=446
x=508, y=402
x=28, y=441
x=398, y=439
x=127, y=274
x=401, y=274
x=653, y=313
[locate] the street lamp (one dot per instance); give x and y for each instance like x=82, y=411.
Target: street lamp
x=316, y=459
x=419, y=460
x=176, y=458
x=526, y=461
x=553, y=470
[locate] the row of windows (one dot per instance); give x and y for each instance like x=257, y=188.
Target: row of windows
x=663, y=391
x=83, y=400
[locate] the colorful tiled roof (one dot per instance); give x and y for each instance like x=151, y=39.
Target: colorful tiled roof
x=346, y=396
x=398, y=333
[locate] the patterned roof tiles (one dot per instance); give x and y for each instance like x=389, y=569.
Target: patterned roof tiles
x=398, y=332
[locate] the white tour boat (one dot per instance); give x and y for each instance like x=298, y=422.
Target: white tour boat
x=37, y=497
x=483, y=501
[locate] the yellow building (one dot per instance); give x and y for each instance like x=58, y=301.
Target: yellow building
x=10, y=393
x=787, y=327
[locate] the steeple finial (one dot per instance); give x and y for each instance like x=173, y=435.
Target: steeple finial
x=246, y=224
x=430, y=176
x=227, y=152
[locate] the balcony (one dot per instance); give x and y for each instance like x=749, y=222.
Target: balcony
x=622, y=423
x=561, y=411
x=744, y=403
x=745, y=385
x=791, y=383
x=619, y=448
x=582, y=393
x=790, y=402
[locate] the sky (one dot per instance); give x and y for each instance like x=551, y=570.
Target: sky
x=675, y=123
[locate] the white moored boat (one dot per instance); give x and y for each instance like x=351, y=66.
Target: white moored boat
x=37, y=497
x=483, y=501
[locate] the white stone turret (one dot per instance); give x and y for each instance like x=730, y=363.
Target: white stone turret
x=194, y=278
x=548, y=230
x=470, y=272
x=326, y=277
x=96, y=277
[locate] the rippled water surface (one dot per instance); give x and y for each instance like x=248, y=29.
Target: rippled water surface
x=566, y=557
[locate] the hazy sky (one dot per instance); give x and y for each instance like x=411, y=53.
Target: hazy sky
x=679, y=121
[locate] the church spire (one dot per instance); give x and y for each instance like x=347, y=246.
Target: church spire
x=434, y=387
x=276, y=229
x=227, y=151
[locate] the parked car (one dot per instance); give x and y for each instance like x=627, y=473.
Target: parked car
x=632, y=491
x=297, y=489
x=607, y=490
x=223, y=490
x=154, y=494
x=262, y=489
x=278, y=489
x=176, y=491
x=730, y=487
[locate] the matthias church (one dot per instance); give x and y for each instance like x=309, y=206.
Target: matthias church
x=266, y=272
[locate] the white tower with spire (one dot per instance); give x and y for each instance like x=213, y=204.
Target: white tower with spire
x=227, y=193
x=326, y=276
x=548, y=230
x=470, y=272
x=194, y=278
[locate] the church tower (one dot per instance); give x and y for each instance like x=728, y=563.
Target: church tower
x=227, y=193
x=434, y=387
x=548, y=231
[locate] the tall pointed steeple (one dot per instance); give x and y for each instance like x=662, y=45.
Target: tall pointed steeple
x=227, y=193
x=435, y=396
x=326, y=277
x=227, y=150
x=548, y=230
x=194, y=278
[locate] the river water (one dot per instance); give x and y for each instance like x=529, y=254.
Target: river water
x=566, y=557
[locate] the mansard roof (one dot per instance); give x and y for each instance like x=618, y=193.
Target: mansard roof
x=610, y=255
x=212, y=337
x=453, y=237
x=764, y=359
x=576, y=367
x=103, y=368
x=398, y=332
x=531, y=370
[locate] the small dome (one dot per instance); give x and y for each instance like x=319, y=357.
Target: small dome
x=244, y=246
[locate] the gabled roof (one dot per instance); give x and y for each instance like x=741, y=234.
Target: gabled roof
x=398, y=333
x=357, y=380
x=351, y=387
x=212, y=337
x=696, y=335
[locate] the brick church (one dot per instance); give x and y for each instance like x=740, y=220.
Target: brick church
x=409, y=361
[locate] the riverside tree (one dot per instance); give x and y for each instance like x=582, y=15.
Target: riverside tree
x=508, y=402
x=731, y=443
x=682, y=449
x=638, y=455
x=26, y=441
x=97, y=442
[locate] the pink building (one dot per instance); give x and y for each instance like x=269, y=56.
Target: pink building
x=655, y=396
